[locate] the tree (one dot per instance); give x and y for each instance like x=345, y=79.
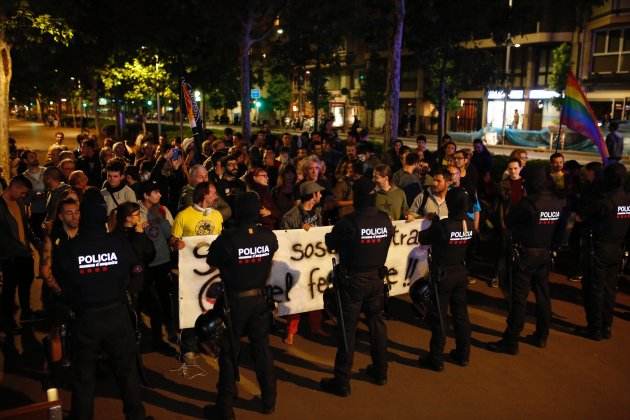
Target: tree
x=257, y=20
x=560, y=64
x=373, y=86
x=138, y=80
x=20, y=24
x=313, y=39
x=279, y=93
x=392, y=90
x=436, y=34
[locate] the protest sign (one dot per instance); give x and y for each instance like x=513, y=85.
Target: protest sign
x=300, y=272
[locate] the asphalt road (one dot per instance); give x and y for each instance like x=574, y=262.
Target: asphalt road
x=38, y=137
x=572, y=378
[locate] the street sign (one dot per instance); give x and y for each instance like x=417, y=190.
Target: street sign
x=255, y=94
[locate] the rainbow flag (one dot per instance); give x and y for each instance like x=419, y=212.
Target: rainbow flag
x=578, y=115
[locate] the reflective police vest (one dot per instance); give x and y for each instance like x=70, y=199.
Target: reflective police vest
x=374, y=233
x=251, y=257
x=612, y=225
x=544, y=215
x=458, y=237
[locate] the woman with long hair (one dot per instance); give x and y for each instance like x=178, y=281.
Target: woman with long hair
x=284, y=193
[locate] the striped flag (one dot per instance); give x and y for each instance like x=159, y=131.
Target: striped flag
x=194, y=118
x=578, y=115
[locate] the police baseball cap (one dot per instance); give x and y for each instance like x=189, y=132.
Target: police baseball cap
x=247, y=206
x=363, y=191
x=93, y=209
x=147, y=187
x=310, y=187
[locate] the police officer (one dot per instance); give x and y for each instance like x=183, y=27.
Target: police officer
x=94, y=276
x=609, y=219
x=362, y=239
x=534, y=225
x=449, y=239
x=243, y=254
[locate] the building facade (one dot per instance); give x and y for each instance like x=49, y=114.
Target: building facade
x=600, y=57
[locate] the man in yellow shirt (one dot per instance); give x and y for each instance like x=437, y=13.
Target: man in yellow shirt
x=195, y=220
x=199, y=218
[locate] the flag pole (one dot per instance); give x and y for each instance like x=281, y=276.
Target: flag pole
x=560, y=125
x=181, y=96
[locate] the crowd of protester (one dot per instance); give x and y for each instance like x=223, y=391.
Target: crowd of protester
x=159, y=190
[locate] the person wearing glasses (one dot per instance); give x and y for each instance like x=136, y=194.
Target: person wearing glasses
x=269, y=215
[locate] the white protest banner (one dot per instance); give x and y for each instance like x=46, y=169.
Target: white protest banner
x=300, y=271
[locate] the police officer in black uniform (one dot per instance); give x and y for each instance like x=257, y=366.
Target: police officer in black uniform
x=609, y=219
x=449, y=239
x=362, y=240
x=534, y=225
x=243, y=254
x=93, y=275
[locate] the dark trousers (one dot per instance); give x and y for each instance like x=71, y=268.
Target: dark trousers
x=363, y=293
x=451, y=292
x=18, y=274
x=155, y=299
x=531, y=272
x=109, y=330
x=600, y=286
x=250, y=317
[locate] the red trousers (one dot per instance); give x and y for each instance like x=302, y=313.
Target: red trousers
x=314, y=321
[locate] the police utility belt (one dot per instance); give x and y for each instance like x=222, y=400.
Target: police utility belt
x=97, y=307
x=344, y=274
x=249, y=293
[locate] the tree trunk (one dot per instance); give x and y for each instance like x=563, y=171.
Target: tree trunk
x=246, y=42
x=5, y=81
x=316, y=92
x=117, y=123
x=94, y=97
x=442, y=104
x=392, y=90
x=38, y=106
x=74, y=113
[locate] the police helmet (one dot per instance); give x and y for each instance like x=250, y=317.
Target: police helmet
x=420, y=294
x=210, y=328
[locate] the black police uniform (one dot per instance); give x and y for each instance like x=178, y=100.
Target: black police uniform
x=244, y=255
x=534, y=223
x=449, y=240
x=609, y=219
x=362, y=240
x=94, y=274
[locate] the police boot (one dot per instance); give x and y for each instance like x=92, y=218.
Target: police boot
x=457, y=358
x=587, y=332
x=218, y=412
x=375, y=376
x=429, y=362
x=537, y=340
x=334, y=386
x=503, y=346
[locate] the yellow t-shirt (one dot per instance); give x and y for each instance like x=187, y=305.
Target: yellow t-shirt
x=193, y=222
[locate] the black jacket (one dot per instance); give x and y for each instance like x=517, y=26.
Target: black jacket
x=10, y=245
x=95, y=269
x=144, y=250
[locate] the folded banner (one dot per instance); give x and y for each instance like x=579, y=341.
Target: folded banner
x=300, y=271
